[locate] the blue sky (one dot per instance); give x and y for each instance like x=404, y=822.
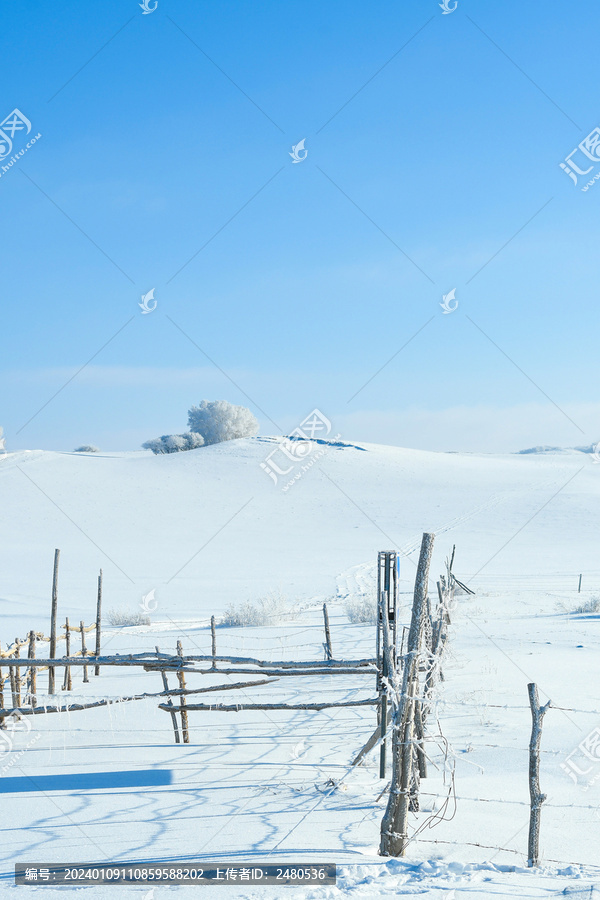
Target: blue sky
x=433, y=148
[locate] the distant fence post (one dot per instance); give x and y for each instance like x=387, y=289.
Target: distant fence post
x=537, y=798
x=32, y=670
x=327, y=644
x=2, y=723
x=13, y=685
x=67, y=682
x=51, y=672
x=98, y=620
x=84, y=652
x=213, y=636
x=17, y=673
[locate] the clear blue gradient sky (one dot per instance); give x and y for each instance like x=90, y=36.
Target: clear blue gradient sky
x=434, y=144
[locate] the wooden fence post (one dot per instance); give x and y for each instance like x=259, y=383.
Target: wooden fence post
x=84, y=652
x=32, y=670
x=327, y=644
x=51, y=672
x=18, y=674
x=394, y=825
x=169, y=702
x=386, y=673
x=213, y=636
x=67, y=682
x=13, y=685
x=98, y=620
x=2, y=723
x=184, y=716
x=537, y=798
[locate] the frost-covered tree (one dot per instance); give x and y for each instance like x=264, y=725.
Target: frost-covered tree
x=218, y=420
x=174, y=443
x=2, y=441
x=86, y=448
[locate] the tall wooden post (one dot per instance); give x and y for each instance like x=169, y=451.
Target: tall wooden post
x=51, y=672
x=386, y=662
x=32, y=671
x=184, y=715
x=327, y=645
x=17, y=674
x=537, y=798
x=67, y=683
x=98, y=620
x=169, y=702
x=84, y=652
x=213, y=635
x=394, y=825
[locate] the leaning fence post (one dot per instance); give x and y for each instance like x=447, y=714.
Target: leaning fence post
x=327, y=644
x=32, y=671
x=98, y=620
x=537, y=798
x=84, y=652
x=184, y=715
x=67, y=683
x=213, y=636
x=51, y=672
x=394, y=825
x=168, y=701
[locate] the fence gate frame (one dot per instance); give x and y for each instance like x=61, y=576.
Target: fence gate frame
x=388, y=564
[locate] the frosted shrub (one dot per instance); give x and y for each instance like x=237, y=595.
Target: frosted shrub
x=174, y=443
x=588, y=606
x=270, y=610
x=121, y=618
x=86, y=448
x=218, y=420
x=361, y=608
x=2, y=440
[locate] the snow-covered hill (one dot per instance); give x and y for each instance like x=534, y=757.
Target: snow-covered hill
x=209, y=527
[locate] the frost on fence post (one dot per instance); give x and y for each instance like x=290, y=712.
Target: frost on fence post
x=537, y=798
x=394, y=831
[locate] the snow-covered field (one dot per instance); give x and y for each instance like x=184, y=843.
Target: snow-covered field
x=208, y=528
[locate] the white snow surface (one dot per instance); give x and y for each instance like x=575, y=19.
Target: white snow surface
x=206, y=528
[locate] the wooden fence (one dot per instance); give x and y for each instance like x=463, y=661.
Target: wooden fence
x=23, y=685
